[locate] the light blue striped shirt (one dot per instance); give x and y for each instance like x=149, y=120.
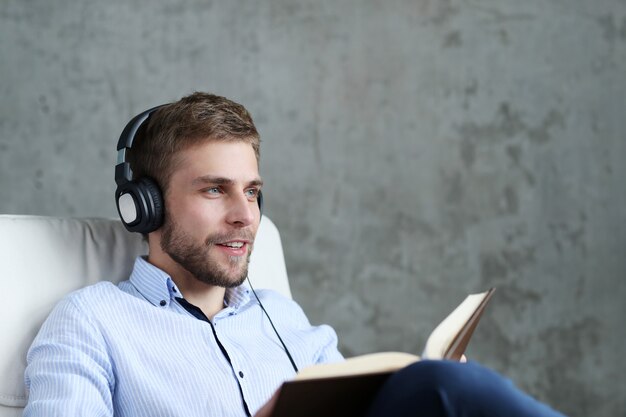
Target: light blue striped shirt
x=133, y=350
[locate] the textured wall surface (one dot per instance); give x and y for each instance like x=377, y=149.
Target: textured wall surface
x=414, y=150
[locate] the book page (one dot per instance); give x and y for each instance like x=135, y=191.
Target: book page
x=359, y=365
x=454, y=325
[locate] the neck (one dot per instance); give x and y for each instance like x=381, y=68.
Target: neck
x=208, y=298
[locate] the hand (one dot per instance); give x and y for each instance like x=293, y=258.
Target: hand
x=268, y=408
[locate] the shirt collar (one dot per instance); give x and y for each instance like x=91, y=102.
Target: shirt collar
x=153, y=284
x=237, y=297
x=159, y=289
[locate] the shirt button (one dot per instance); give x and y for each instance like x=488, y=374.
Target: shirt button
x=163, y=302
x=241, y=374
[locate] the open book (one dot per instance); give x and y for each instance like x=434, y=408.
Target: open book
x=347, y=388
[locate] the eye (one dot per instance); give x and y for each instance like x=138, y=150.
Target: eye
x=212, y=190
x=252, y=193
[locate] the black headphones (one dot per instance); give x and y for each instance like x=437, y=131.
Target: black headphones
x=140, y=202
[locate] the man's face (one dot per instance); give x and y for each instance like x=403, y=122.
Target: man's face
x=212, y=214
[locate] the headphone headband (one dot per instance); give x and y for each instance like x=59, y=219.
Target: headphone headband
x=123, y=173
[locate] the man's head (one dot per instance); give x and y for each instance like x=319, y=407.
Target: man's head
x=203, y=153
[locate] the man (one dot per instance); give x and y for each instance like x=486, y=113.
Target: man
x=183, y=336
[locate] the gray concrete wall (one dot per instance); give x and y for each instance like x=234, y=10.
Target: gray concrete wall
x=414, y=150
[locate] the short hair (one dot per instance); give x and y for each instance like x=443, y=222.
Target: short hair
x=193, y=120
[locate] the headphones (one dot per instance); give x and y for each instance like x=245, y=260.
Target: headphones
x=140, y=201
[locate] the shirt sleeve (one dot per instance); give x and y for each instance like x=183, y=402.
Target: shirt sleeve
x=328, y=352
x=322, y=337
x=68, y=370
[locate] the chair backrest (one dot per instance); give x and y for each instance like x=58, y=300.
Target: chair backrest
x=44, y=258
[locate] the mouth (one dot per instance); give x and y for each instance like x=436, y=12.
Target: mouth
x=234, y=247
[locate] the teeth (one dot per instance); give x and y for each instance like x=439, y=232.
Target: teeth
x=234, y=244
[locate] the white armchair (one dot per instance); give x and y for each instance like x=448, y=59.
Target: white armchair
x=44, y=258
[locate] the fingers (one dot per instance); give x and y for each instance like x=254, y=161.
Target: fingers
x=268, y=408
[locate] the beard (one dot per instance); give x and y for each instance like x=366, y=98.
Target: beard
x=196, y=257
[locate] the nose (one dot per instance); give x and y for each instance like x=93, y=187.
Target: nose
x=241, y=211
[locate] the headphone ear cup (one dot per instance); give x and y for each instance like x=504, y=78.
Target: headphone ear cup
x=259, y=200
x=128, y=206
x=153, y=197
x=140, y=205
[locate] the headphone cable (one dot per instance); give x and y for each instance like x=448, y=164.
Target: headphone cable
x=293, y=363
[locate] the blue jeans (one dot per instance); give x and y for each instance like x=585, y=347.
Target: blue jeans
x=452, y=389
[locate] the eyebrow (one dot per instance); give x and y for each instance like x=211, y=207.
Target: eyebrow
x=213, y=180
